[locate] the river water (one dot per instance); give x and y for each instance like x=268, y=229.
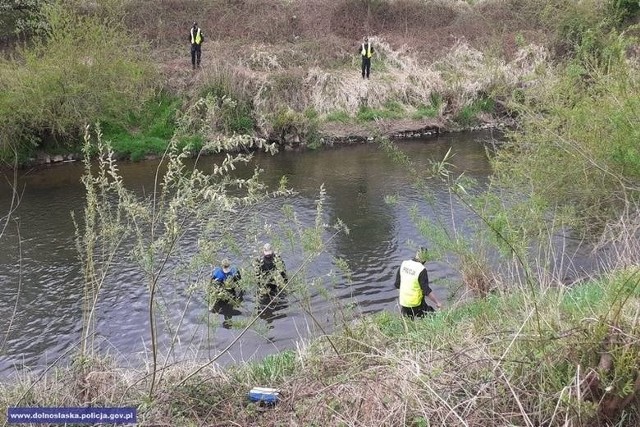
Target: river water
x=41, y=279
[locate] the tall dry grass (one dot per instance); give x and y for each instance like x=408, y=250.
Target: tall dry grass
x=427, y=27
x=397, y=77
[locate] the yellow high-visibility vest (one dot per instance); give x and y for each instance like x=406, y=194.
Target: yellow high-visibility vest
x=410, y=290
x=197, y=38
x=366, y=51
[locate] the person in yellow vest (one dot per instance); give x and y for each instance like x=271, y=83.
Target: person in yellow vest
x=196, y=37
x=413, y=282
x=366, y=51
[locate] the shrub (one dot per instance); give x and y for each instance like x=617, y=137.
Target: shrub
x=234, y=108
x=289, y=126
x=577, y=145
x=56, y=89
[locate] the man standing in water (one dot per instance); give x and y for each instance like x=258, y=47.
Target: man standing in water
x=268, y=268
x=413, y=281
x=366, y=51
x=226, y=278
x=196, y=37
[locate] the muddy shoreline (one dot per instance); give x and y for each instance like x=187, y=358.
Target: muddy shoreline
x=331, y=134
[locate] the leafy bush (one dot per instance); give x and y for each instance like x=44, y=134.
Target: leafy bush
x=84, y=70
x=234, y=107
x=578, y=142
x=289, y=126
x=22, y=18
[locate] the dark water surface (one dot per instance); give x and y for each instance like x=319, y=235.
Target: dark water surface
x=40, y=276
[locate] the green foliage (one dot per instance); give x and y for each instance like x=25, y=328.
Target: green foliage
x=56, y=88
x=469, y=113
x=577, y=146
x=274, y=368
x=233, y=109
x=289, y=126
x=579, y=25
x=433, y=109
x=147, y=131
x=340, y=116
x=624, y=9
x=391, y=110
x=311, y=114
x=22, y=18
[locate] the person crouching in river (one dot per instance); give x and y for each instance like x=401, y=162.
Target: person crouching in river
x=413, y=282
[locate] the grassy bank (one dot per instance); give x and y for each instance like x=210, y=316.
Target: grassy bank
x=568, y=356
x=447, y=64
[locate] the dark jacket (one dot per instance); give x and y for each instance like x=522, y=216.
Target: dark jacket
x=267, y=267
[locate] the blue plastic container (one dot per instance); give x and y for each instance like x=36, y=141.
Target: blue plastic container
x=264, y=395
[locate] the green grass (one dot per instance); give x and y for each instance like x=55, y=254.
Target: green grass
x=468, y=115
x=146, y=133
x=390, y=111
x=273, y=368
x=339, y=116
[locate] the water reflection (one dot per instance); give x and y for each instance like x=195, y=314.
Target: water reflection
x=227, y=310
x=271, y=307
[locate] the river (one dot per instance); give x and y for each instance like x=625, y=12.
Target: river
x=41, y=278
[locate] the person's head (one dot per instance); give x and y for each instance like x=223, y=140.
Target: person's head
x=267, y=250
x=365, y=39
x=195, y=24
x=226, y=265
x=422, y=255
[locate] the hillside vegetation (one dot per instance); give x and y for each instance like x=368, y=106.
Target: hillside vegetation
x=286, y=71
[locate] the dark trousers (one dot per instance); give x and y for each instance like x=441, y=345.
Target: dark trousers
x=419, y=311
x=366, y=67
x=196, y=53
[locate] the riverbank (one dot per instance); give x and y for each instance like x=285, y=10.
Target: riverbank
x=329, y=135
x=561, y=356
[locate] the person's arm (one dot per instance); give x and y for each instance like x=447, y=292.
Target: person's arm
x=283, y=268
x=433, y=298
x=423, y=279
x=397, y=282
